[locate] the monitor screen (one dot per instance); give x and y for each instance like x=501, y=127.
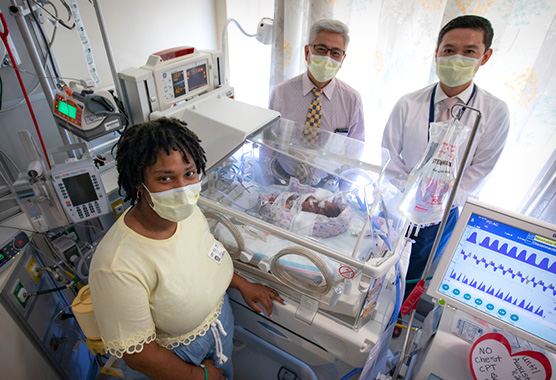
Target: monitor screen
x=501, y=267
x=178, y=83
x=67, y=109
x=197, y=77
x=80, y=189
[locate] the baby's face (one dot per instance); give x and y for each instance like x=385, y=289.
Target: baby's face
x=326, y=208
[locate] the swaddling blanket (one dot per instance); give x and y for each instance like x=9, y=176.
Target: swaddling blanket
x=286, y=209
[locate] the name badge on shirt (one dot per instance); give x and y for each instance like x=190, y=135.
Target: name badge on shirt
x=217, y=252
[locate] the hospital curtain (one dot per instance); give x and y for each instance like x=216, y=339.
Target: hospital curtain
x=391, y=53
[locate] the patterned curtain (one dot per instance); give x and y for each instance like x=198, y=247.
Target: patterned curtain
x=391, y=53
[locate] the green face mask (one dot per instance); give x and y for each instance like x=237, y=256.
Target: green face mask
x=455, y=70
x=323, y=68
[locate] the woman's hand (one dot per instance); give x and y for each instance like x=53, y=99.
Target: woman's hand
x=213, y=373
x=256, y=293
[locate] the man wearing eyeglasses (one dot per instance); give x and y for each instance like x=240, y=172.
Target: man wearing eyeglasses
x=340, y=105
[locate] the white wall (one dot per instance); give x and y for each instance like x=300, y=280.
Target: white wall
x=136, y=29
x=249, y=60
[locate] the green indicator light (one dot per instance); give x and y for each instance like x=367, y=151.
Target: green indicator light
x=441, y=302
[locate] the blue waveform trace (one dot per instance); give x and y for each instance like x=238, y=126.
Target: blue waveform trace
x=544, y=264
x=498, y=293
x=524, y=279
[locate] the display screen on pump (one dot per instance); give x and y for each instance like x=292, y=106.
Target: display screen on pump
x=80, y=189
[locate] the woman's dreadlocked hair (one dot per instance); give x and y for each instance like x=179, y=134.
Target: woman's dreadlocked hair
x=139, y=145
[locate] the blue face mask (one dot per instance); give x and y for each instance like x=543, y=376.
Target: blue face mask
x=175, y=204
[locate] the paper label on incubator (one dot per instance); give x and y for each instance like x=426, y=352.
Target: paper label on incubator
x=217, y=252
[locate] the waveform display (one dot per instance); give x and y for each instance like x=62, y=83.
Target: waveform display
x=512, y=252
x=498, y=293
x=523, y=278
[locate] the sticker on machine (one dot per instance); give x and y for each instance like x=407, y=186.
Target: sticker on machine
x=217, y=252
x=346, y=272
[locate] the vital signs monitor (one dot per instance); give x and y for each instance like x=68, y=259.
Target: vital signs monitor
x=501, y=267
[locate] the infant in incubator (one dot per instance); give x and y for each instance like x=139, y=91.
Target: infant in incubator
x=306, y=210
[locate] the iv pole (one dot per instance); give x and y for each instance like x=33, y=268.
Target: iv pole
x=441, y=227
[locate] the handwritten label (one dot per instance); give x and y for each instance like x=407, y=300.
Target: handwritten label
x=491, y=358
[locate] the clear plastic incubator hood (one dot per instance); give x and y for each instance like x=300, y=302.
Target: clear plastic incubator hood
x=317, y=220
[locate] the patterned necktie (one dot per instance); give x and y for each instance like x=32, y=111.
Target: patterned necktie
x=446, y=113
x=312, y=123
x=311, y=130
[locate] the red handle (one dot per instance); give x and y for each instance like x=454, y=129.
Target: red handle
x=4, y=32
x=4, y=36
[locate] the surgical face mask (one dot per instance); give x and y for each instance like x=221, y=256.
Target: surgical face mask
x=323, y=68
x=455, y=70
x=175, y=204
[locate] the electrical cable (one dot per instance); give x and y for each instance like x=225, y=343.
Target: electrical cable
x=5, y=171
x=414, y=281
x=45, y=40
x=351, y=373
x=56, y=11
x=10, y=160
x=21, y=100
x=231, y=200
x=56, y=264
x=79, y=81
x=46, y=291
x=58, y=317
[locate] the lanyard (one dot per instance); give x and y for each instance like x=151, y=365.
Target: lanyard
x=431, y=109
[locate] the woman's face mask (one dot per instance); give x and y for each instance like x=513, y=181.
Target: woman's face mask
x=175, y=204
x=455, y=70
x=323, y=68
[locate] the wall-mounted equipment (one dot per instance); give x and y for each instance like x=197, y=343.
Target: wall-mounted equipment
x=87, y=114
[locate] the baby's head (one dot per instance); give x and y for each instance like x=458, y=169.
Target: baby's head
x=326, y=208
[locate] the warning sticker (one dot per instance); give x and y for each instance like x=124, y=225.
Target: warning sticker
x=346, y=272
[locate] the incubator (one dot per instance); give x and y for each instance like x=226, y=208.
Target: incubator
x=327, y=239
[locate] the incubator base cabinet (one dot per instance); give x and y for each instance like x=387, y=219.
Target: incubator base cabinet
x=317, y=221
x=265, y=361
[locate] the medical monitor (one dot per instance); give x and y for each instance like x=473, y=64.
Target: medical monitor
x=179, y=74
x=500, y=267
x=80, y=190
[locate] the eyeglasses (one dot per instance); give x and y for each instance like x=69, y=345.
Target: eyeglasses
x=335, y=53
